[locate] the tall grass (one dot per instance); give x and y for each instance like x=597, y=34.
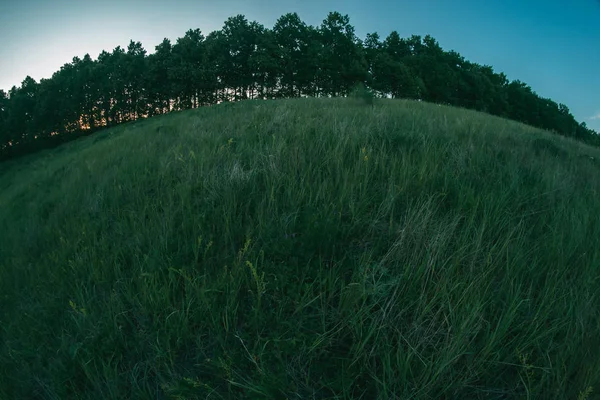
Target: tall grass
x=308, y=249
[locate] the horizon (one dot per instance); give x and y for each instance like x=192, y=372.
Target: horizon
x=557, y=46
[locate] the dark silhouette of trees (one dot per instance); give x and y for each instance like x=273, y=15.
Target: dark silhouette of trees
x=3, y=117
x=158, y=79
x=342, y=62
x=295, y=68
x=245, y=60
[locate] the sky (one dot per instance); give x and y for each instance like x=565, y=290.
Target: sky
x=552, y=45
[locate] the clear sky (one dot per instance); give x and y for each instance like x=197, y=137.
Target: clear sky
x=552, y=45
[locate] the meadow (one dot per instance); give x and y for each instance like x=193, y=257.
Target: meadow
x=303, y=249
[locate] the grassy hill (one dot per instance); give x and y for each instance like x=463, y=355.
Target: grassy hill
x=303, y=249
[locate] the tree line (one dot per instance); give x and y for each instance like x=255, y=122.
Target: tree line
x=245, y=60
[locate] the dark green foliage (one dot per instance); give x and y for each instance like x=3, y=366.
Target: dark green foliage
x=296, y=50
x=245, y=60
x=4, y=135
x=342, y=62
x=363, y=94
x=158, y=79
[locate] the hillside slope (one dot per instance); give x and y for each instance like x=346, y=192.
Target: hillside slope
x=303, y=249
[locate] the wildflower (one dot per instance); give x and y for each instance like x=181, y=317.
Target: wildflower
x=76, y=309
x=585, y=394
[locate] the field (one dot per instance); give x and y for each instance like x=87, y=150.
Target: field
x=303, y=249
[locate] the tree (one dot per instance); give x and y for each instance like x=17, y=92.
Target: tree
x=246, y=60
x=134, y=61
x=436, y=71
x=4, y=136
x=392, y=69
x=294, y=41
x=117, y=85
x=265, y=64
x=239, y=40
x=372, y=49
x=90, y=84
x=188, y=73
x=342, y=60
x=157, y=80
x=50, y=115
x=20, y=120
x=522, y=102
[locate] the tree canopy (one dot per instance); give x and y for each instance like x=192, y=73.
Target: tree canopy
x=245, y=60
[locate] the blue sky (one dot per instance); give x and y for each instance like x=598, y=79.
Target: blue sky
x=553, y=45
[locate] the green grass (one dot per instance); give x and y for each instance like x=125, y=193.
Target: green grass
x=303, y=249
